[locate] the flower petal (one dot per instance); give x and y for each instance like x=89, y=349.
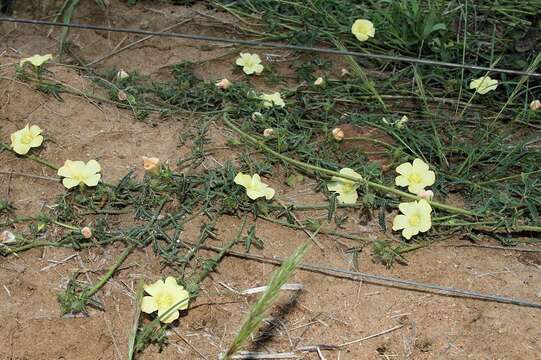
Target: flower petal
x=243, y=179
x=254, y=193
x=70, y=183
x=170, y=318
x=409, y=232
x=181, y=298
x=148, y=305
x=155, y=288
x=92, y=180
x=34, y=130
x=400, y=222
x=21, y=148
x=36, y=141
x=416, y=188
x=269, y=193
x=419, y=166
x=406, y=208
x=351, y=173
x=404, y=169
x=348, y=197
x=93, y=167
x=424, y=206
x=401, y=180
x=258, y=69
x=171, y=282
x=335, y=186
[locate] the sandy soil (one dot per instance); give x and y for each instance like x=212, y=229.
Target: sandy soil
x=329, y=311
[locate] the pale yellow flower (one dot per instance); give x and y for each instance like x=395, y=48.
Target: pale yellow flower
x=223, y=84
x=151, y=165
x=251, y=63
x=77, y=172
x=484, y=84
x=363, y=29
x=535, y=105
x=26, y=138
x=165, y=297
x=415, y=176
x=274, y=99
x=338, y=134
x=416, y=218
x=319, y=81
x=347, y=189
x=254, y=187
x=36, y=60
x=268, y=132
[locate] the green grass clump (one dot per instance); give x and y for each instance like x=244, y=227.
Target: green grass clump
x=265, y=302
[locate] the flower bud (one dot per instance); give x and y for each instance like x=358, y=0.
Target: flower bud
x=121, y=75
x=223, y=84
x=402, y=122
x=338, y=134
x=86, y=232
x=122, y=96
x=268, y=132
x=427, y=194
x=319, y=81
x=7, y=237
x=256, y=115
x=151, y=165
x=535, y=105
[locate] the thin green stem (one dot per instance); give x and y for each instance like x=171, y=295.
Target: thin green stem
x=90, y=292
x=373, y=185
x=31, y=157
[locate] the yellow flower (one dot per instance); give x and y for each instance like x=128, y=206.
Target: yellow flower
x=319, y=81
x=254, y=187
x=415, y=176
x=26, y=138
x=36, y=60
x=165, y=295
x=346, y=189
x=363, y=29
x=274, y=99
x=484, y=84
x=251, y=63
x=416, y=218
x=77, y=172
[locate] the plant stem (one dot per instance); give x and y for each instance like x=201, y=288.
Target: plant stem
x=31, y=157
x=90, y=292
x=374, y=185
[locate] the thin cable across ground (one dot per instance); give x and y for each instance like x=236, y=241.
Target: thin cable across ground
x=255, y=43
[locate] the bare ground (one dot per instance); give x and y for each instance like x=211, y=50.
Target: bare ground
x=329, y=311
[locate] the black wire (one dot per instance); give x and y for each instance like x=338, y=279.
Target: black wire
x=255, y=43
